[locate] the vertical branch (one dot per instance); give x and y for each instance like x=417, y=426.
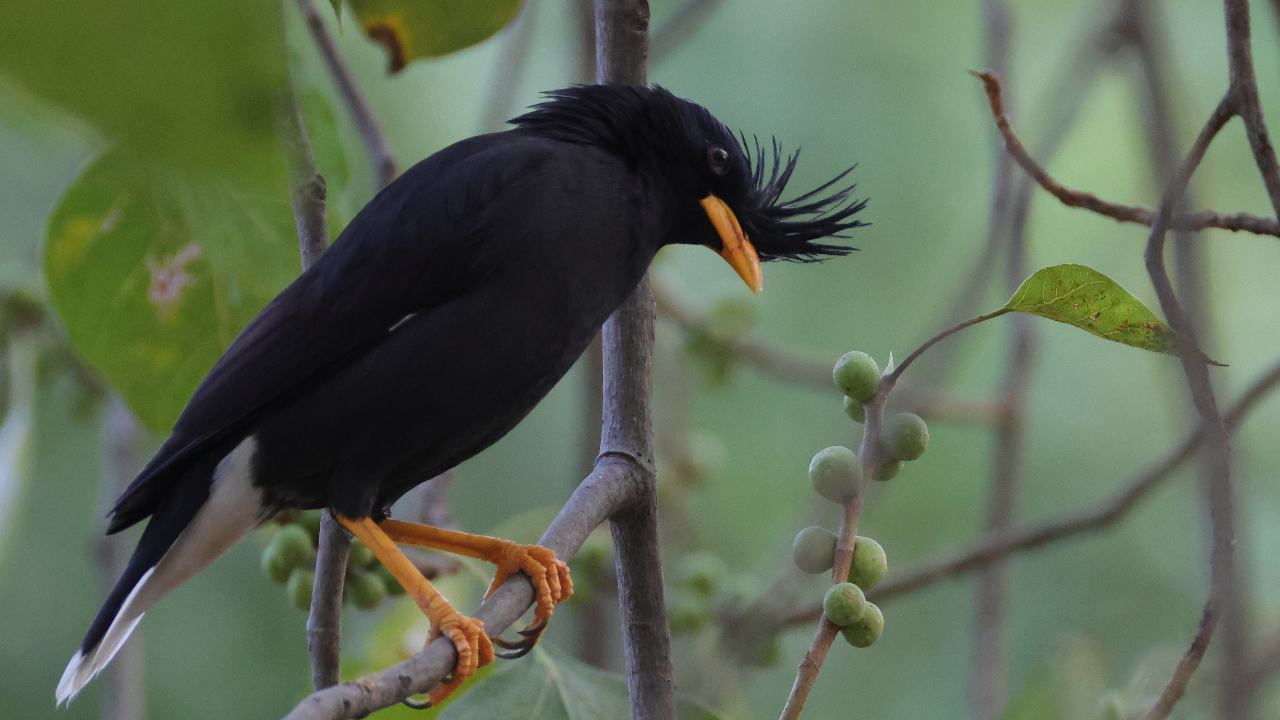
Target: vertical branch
x=1224, y=592
x=1008, y=223
x=381, y=158
x=308, y=196
x=622, y=44
x=124, y=697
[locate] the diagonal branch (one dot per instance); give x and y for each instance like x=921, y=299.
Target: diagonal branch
x=381, y=158
x=1088, y=201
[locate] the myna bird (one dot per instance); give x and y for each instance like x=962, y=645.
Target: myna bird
x=445, y=311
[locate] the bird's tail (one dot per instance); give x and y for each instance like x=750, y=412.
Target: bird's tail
x=209, y=508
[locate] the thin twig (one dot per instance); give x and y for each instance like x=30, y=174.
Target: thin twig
x=1187, y=666
x=1102, y=516
x=308, y=195
x=906, y=362
x=381, y=158
x=782, y=365
x=870, y=455
x=1224, y=590
x=1088, y=201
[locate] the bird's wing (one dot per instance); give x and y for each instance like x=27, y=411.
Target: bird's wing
x=406, y=252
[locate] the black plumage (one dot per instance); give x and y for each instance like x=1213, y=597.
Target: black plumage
x=446, y=310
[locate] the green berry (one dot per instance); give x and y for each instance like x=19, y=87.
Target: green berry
x=814, y=550
x=857, y=375
x=888, y=470
x=289, y=550
x=836, y=473
x=310, y=521
x=361, y=556
x=702, y=572
x=869, y=563
x=854, y=410
x=389, y=581
x=366, y=589
x=299, y=588
x=686, y=617
x=844, y=604
x=867, y=629
x=904, y=436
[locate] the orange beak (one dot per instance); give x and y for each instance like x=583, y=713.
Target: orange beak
x=738, y=250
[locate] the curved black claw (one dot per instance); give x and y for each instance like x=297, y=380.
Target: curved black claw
x=417, y=704
x=522, y=647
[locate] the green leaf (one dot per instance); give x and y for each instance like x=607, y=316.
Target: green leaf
x=154, y=270
x=191, y=83
x=550, y=685
x=1083, y=297
x=412, y=29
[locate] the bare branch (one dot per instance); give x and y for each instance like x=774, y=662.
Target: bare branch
x=381, y=157
x=609, y=487
x=1187, y=666
x=1089, y=201
x=324, y=630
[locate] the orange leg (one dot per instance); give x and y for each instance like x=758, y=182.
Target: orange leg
x=468, y=635
x=550, y=576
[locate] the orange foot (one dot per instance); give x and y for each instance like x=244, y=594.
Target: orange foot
x=467, y=634
x=550, y=576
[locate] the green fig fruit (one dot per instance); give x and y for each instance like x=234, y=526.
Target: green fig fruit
x=844, y=604
x=289, y=550
x=904, y=436
x=857, y=375
x=855, y=410
x=867, y=629
x=299, y=587
x=814, y=550
x=869, y=563
x=366, y=589
x=836, y=473
x=888, y=470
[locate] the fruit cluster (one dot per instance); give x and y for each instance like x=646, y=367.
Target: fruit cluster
x=845, y=605
x=290, y=560
x=903, y=437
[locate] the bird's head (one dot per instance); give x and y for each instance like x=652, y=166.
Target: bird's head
x=728, y=194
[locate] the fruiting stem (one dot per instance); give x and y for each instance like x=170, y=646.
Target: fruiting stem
x=869, y=455
x=892, y=377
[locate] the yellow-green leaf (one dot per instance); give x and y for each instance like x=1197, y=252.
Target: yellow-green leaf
x=412, y=29
x=155, y=269
x=1083, y=297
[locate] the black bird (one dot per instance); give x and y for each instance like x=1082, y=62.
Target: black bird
x=446, y=310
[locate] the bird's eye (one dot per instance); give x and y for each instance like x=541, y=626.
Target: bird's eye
x=718, y=158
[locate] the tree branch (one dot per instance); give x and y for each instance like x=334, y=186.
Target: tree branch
x=307, y=192
x=609, y=487
x=1089, y=201
x=381, y=158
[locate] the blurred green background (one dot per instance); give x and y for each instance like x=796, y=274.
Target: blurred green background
x=883, y=85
